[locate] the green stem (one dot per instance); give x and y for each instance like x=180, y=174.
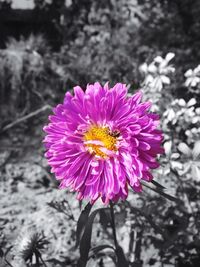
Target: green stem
x=113, y=224
x=7, y=262
x=43, y=261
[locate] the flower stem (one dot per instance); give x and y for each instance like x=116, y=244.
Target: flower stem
x=42, y=261
x=7, y=262
x=113, y=224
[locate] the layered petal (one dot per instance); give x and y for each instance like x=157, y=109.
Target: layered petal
x=100, y=141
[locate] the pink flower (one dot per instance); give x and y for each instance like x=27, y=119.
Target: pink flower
x=101, y=141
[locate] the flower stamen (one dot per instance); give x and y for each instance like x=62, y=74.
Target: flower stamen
x=101, y=142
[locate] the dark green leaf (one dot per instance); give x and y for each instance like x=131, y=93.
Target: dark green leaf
x=157, y=184
x=82, y=222
x=1, y=253
x=159, y=191
x=104, y=217
x=121, y=259
x=85, y=242
x=97, y=249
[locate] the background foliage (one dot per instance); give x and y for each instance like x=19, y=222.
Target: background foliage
x=153, y=45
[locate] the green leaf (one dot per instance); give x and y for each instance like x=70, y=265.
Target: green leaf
x=184, y=148
x=191, y=102
x=168, y=147
x=104, y=218
x=85, y=242
x=195, y=173
x=196, y=150
x=82, y=222
x=1, y=253
x=158, y=185
x=97, y=249
x=159, y=191
x=121, y=259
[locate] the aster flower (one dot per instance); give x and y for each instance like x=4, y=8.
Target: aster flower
x=100, y=142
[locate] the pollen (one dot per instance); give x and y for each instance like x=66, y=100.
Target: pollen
x=100, y=141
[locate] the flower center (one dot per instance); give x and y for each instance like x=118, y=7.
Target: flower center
x=101, y=142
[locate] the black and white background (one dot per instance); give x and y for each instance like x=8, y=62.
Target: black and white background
x=46, y=48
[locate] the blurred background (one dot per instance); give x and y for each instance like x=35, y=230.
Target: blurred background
x=46, y=48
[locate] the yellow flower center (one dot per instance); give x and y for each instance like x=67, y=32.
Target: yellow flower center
x=100, y=141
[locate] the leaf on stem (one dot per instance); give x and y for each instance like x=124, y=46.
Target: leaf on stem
x=104, y=218
x=184, y=148
x=196, y=150
x=121, y=259
x=159, y=191
x=97, y=249
x=82, y=222
x=157, y=184
x=1, y=253
x=85, y=242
